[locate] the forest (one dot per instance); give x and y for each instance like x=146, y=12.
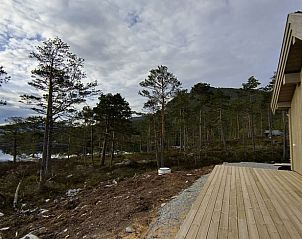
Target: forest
x=198, y=123
x=67, y=143
x=204, y=124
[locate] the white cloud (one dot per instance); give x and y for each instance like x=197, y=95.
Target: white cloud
x=221, y=42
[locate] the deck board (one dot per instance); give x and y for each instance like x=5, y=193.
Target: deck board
x=240, y=202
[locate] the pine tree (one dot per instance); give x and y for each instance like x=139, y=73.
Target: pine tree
x=58, y=81
x=250, y=87
x=113, y=111
x=159, y=88
x=4, y=78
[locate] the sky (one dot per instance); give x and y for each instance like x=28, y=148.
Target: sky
x=220, y=42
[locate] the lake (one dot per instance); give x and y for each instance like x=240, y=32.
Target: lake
x=5, y=157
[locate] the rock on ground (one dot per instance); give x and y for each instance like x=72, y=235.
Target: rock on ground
x=30, y=236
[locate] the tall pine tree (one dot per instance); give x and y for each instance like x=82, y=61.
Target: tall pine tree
x=58, y=81
x=159, y=88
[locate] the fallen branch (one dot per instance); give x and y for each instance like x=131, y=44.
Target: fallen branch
x=16, y=194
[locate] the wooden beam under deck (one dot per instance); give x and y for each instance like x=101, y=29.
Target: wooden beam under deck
x=239, y=202
x=284, y=105
x=292, y=78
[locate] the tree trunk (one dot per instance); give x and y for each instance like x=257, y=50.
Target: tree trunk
x=44, y=155
x=149, y=137
x=253, y=136
x=69, y=142
x=249, y=132
x=100, y=148
x=252, y=127
x=205, y=131
x=261, y=124
x=156, y=143
x=180, y=131
x=84, y=145
x=47, y=135
x=244, y=145
x=33, y=147
x=184, y=136
x=49, y=148
x=15, y=147
x=112, y=149
x=91, y=144
x=104, y=147
x=200, y=133
x=162, y=164
x=140, y=144
x=221, y=130
x=238, y=126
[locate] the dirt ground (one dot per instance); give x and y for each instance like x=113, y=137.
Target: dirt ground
x=104, y=211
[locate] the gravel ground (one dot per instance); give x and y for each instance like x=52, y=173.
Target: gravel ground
x=172, y=214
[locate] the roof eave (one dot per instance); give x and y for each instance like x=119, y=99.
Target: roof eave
x=293, y=29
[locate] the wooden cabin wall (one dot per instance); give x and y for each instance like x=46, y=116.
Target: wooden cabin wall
x=296, y=130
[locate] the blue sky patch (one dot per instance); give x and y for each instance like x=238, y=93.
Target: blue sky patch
x=133, y=19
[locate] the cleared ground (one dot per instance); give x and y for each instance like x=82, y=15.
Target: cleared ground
x=103, y=211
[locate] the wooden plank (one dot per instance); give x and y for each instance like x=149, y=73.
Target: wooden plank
x=265, y=207
x=215, y=220
x=201, y=213
x=246, y=203
x=206, y=220
x=186, y=226
x=242, y=221
x=233, y=213
x=277, y=219
x=289, y=208
x=294, y=182
x=224, y=218
x=292, y=190
x=285, y=192
x=277, y=203
x=261, y=225
x=291, y=78
x=251, y=223
x=298, y=176
x=295, y=176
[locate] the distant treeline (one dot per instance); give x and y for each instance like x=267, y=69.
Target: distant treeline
x=204, y=123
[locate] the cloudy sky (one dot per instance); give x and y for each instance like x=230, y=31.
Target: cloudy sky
x=221, y=42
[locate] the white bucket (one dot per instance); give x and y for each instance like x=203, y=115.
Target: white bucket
x=162, y=171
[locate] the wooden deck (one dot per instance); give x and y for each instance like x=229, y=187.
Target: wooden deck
x=238, y=202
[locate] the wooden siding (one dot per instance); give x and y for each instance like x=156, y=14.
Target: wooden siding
x=296, y=130
x=238, y=202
